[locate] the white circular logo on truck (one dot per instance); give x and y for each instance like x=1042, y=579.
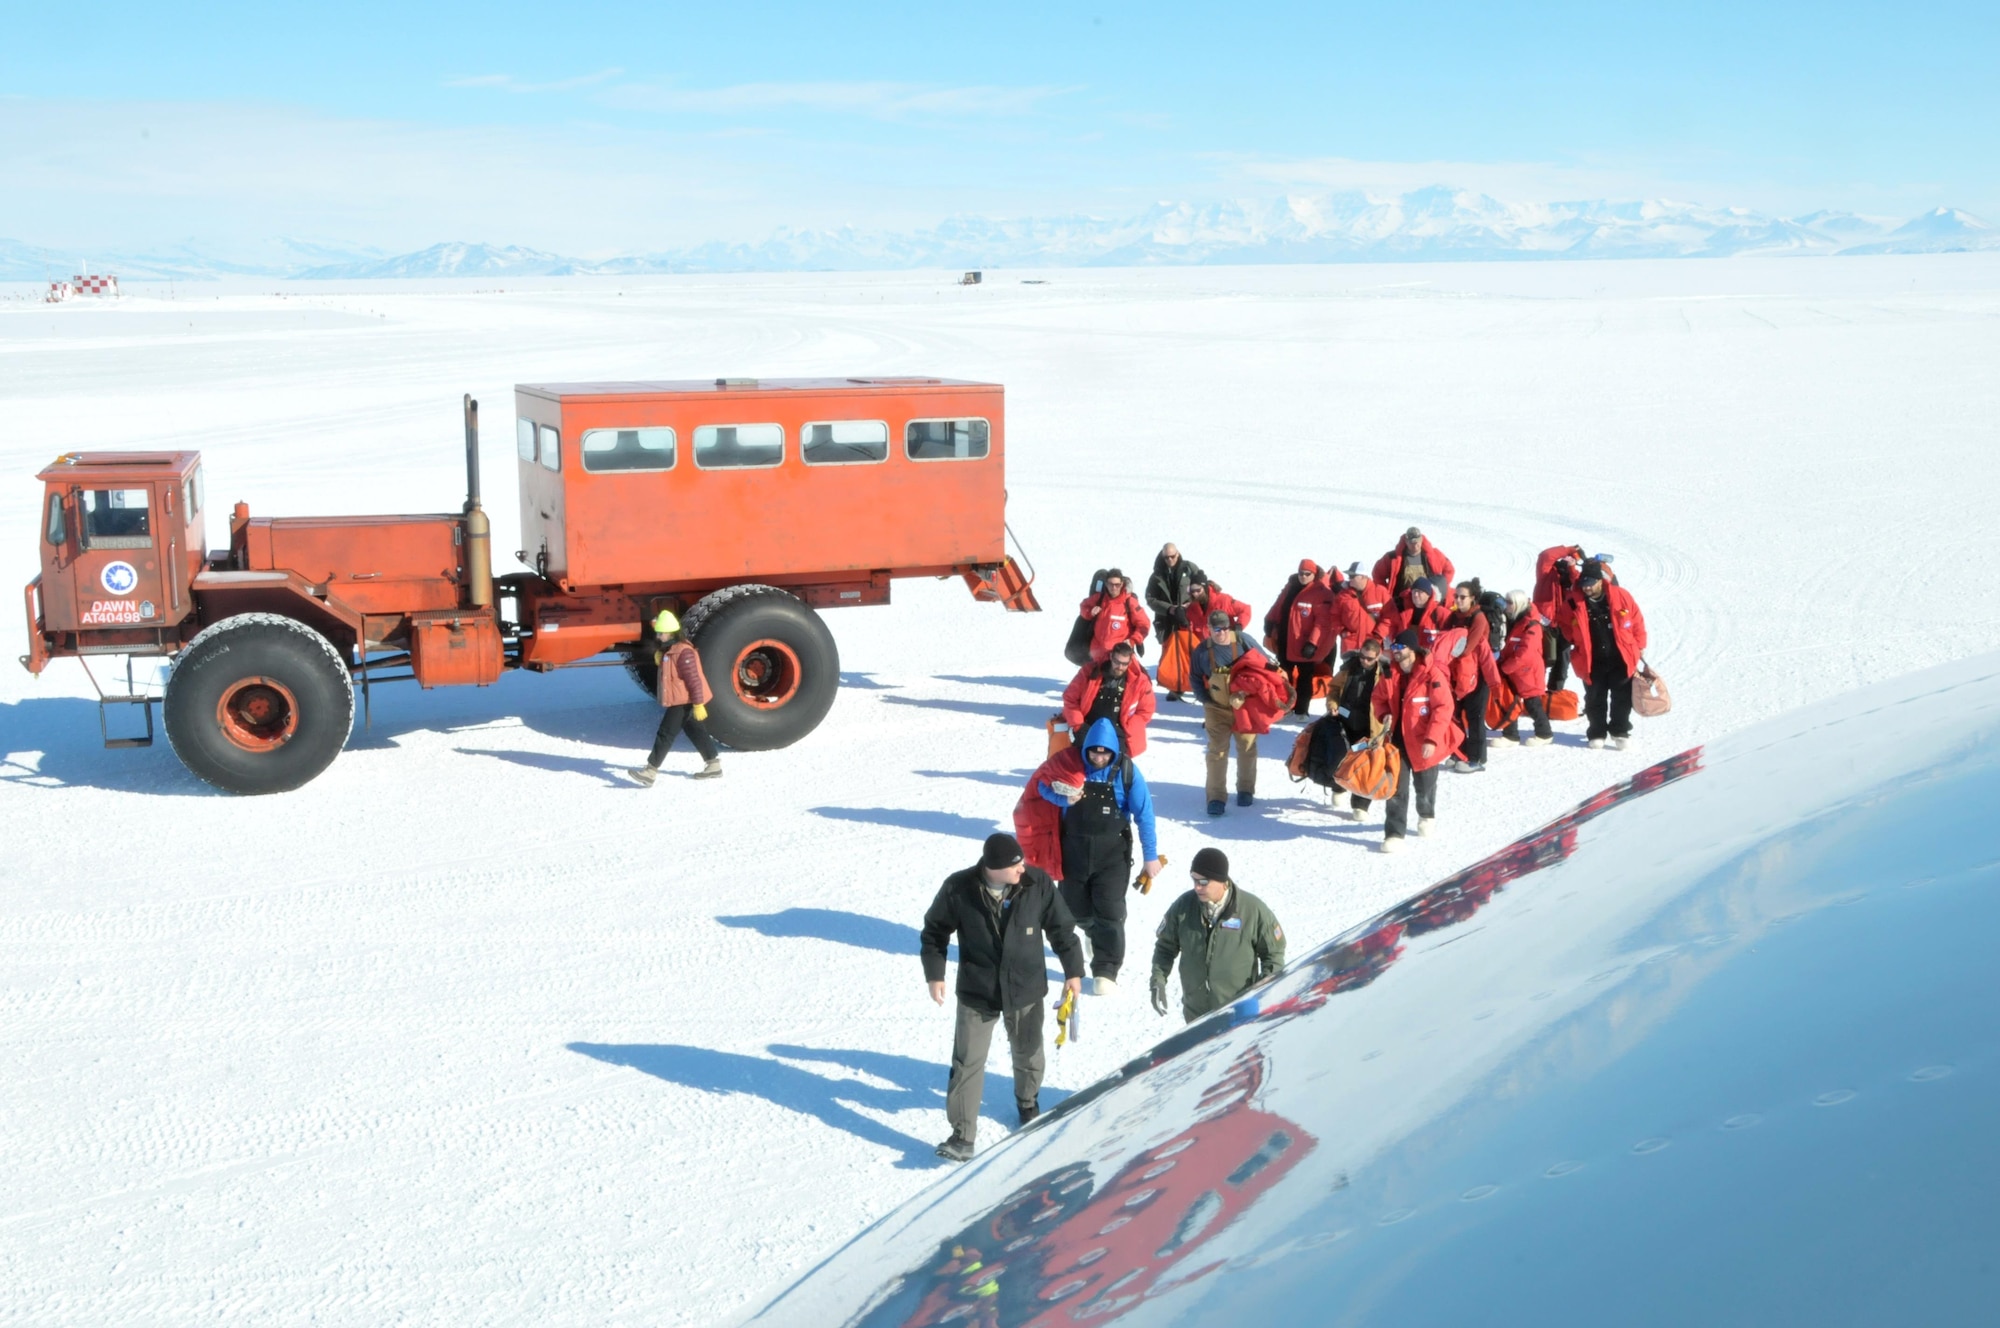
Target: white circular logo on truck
x=119, y=579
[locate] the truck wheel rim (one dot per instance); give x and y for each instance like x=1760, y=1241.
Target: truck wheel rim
x=766, y=674
x=258, y=714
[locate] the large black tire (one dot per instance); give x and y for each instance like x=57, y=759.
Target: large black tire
x=259, y=703
x=643, y=669
x=770, y=661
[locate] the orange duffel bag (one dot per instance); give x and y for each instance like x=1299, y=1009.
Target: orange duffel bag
x=1176, y=671
x=1060, y=738
x=1502, y=707
x=1562, y=704
x=1649, y=692
x=1371, y=770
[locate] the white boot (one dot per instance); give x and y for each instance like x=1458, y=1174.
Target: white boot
x=1424, y=824
x=1595, y=744
x=642, y=775
x=1392, y=843
x=1103, y=987
x=713, y=770
x=1536, y=742
x=1621, y=743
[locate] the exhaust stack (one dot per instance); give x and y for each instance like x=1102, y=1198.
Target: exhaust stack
x=478, y=530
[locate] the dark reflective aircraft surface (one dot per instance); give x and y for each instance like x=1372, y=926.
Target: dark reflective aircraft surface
x=1717, y=1047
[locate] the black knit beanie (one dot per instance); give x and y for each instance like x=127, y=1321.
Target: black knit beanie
x=1212, y=863
x=1002, y=850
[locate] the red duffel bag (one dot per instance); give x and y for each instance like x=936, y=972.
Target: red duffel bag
x=1563, y=705
x=1502, y=707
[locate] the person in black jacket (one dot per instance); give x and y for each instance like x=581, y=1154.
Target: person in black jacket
x=1348, y=704
x=1002, y=911
x=1169, y=592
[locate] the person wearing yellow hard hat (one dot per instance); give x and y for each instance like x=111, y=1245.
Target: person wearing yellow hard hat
x=683, y=691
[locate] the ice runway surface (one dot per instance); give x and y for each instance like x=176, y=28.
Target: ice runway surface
x=466, y=1032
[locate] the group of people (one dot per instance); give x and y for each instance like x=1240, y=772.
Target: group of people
x=1402, y=653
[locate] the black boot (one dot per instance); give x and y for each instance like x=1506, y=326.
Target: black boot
x=1029, y=1111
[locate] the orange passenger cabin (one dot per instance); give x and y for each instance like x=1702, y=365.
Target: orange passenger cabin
x=778, y=480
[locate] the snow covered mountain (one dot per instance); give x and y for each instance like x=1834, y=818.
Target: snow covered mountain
x=456, y=259
x=1434, y=224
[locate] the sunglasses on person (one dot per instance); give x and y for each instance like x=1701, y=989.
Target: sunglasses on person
x=1199, y=879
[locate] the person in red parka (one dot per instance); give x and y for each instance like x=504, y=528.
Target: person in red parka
x=1037, y=821
x=1116, y=615
x=1287, y=625
x=1117, y=690
x=1607, y=635
x=1413, y=559
x=1210, y=599
x=1474, y=674
x=1556, y=571
x=1374, y=595
x=1521, y=665
x=1422, y=612
x=1415, y=697
x=1337, y=620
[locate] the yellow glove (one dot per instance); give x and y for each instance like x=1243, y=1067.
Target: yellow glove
x=701, y=712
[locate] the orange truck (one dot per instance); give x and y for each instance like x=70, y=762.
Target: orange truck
x=745, y=506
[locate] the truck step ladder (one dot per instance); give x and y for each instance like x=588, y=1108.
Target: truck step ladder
x=1007, y=585
x=134, y=695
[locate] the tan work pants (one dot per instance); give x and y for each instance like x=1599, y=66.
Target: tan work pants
x=1218, y=722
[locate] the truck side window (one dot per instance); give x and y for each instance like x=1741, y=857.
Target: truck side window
x=58, y=527
x=116, y=519
x=946, y=440
x=844, y=442
x=549, y=445
x=194, y=493
x=738, y=446
x=524, y=439
x=628, y=449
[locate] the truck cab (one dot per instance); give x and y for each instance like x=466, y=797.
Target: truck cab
x=122, y=539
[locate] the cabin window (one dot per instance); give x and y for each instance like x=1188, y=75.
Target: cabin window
x=738, y=446
x=58, y=526
x=197, y=493
x=946, y=440
x=844, y=442
x=628, y=449
x=548, y=447
x=117, y=519
x=524, y=439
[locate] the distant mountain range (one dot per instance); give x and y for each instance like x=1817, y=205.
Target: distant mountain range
x=1424, y=225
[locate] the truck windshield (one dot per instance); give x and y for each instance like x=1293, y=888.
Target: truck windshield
x=117, y=519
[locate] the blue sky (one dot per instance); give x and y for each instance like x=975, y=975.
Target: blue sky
x=604, y=128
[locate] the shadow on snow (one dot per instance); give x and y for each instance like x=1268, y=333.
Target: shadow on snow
x=891, y=1084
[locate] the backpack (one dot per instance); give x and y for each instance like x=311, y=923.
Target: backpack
x=1077, y=649
x=1494, y=605
x=1317, y=753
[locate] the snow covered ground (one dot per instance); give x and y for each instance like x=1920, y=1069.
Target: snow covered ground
x=465, y=1032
